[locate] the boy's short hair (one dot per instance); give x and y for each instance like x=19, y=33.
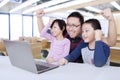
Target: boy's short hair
x=94, y=23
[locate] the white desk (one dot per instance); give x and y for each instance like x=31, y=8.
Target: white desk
x=71, y=71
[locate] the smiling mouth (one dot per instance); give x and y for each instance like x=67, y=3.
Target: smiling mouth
x=84, y=38
x=71, y=33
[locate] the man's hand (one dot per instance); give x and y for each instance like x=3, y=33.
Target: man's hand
x=107, y=14
x=62, y=61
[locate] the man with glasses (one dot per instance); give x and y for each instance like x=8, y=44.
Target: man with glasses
x=74, y=23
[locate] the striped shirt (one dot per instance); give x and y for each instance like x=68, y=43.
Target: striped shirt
x=88, y=55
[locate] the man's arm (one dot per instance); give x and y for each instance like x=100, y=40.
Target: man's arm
x=112, y=33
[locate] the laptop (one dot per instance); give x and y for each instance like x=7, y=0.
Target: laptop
x=20, y=55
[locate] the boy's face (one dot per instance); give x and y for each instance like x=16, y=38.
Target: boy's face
x=73, y=27
x=55, y=30
x=88, y=33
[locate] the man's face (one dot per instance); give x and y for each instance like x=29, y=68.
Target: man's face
x=73, y=27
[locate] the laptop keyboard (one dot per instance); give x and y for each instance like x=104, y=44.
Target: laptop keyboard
x=41, y=67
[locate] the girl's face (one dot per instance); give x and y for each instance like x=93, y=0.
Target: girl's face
x=55, y=30
x=88, y=33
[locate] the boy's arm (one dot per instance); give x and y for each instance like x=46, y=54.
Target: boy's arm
x=75, y=53
x=112, y=33
x=101, y=53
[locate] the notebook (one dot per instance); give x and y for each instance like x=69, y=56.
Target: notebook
x=20, y=55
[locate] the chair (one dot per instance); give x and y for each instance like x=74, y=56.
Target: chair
x=2, y=48
x=36, y=50
x=115, y=56
x=35, y=45
x=45, y=48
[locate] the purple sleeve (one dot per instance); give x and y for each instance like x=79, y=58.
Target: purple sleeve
x=66, y=47
x=45, y=34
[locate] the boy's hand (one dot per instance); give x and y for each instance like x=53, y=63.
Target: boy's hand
x=62, y=61
x=98, y=35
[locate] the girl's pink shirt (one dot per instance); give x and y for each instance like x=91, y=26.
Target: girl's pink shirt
x=58, y=48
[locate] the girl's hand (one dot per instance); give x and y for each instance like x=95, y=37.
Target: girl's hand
x=49, y=60
x=40, y=13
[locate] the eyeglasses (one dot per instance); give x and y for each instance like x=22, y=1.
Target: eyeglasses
x=73, y=26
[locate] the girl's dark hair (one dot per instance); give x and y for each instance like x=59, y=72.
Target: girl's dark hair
x=94, y=23
x=77, y=15
x=61, y=24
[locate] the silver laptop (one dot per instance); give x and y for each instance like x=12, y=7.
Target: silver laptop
x=20, y=55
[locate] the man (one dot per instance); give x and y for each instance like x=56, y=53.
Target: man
x=74, y=23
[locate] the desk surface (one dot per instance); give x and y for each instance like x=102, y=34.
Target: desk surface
x=71, y=71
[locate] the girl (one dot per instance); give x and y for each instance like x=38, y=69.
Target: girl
x=93, y=50
x=60, y=45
